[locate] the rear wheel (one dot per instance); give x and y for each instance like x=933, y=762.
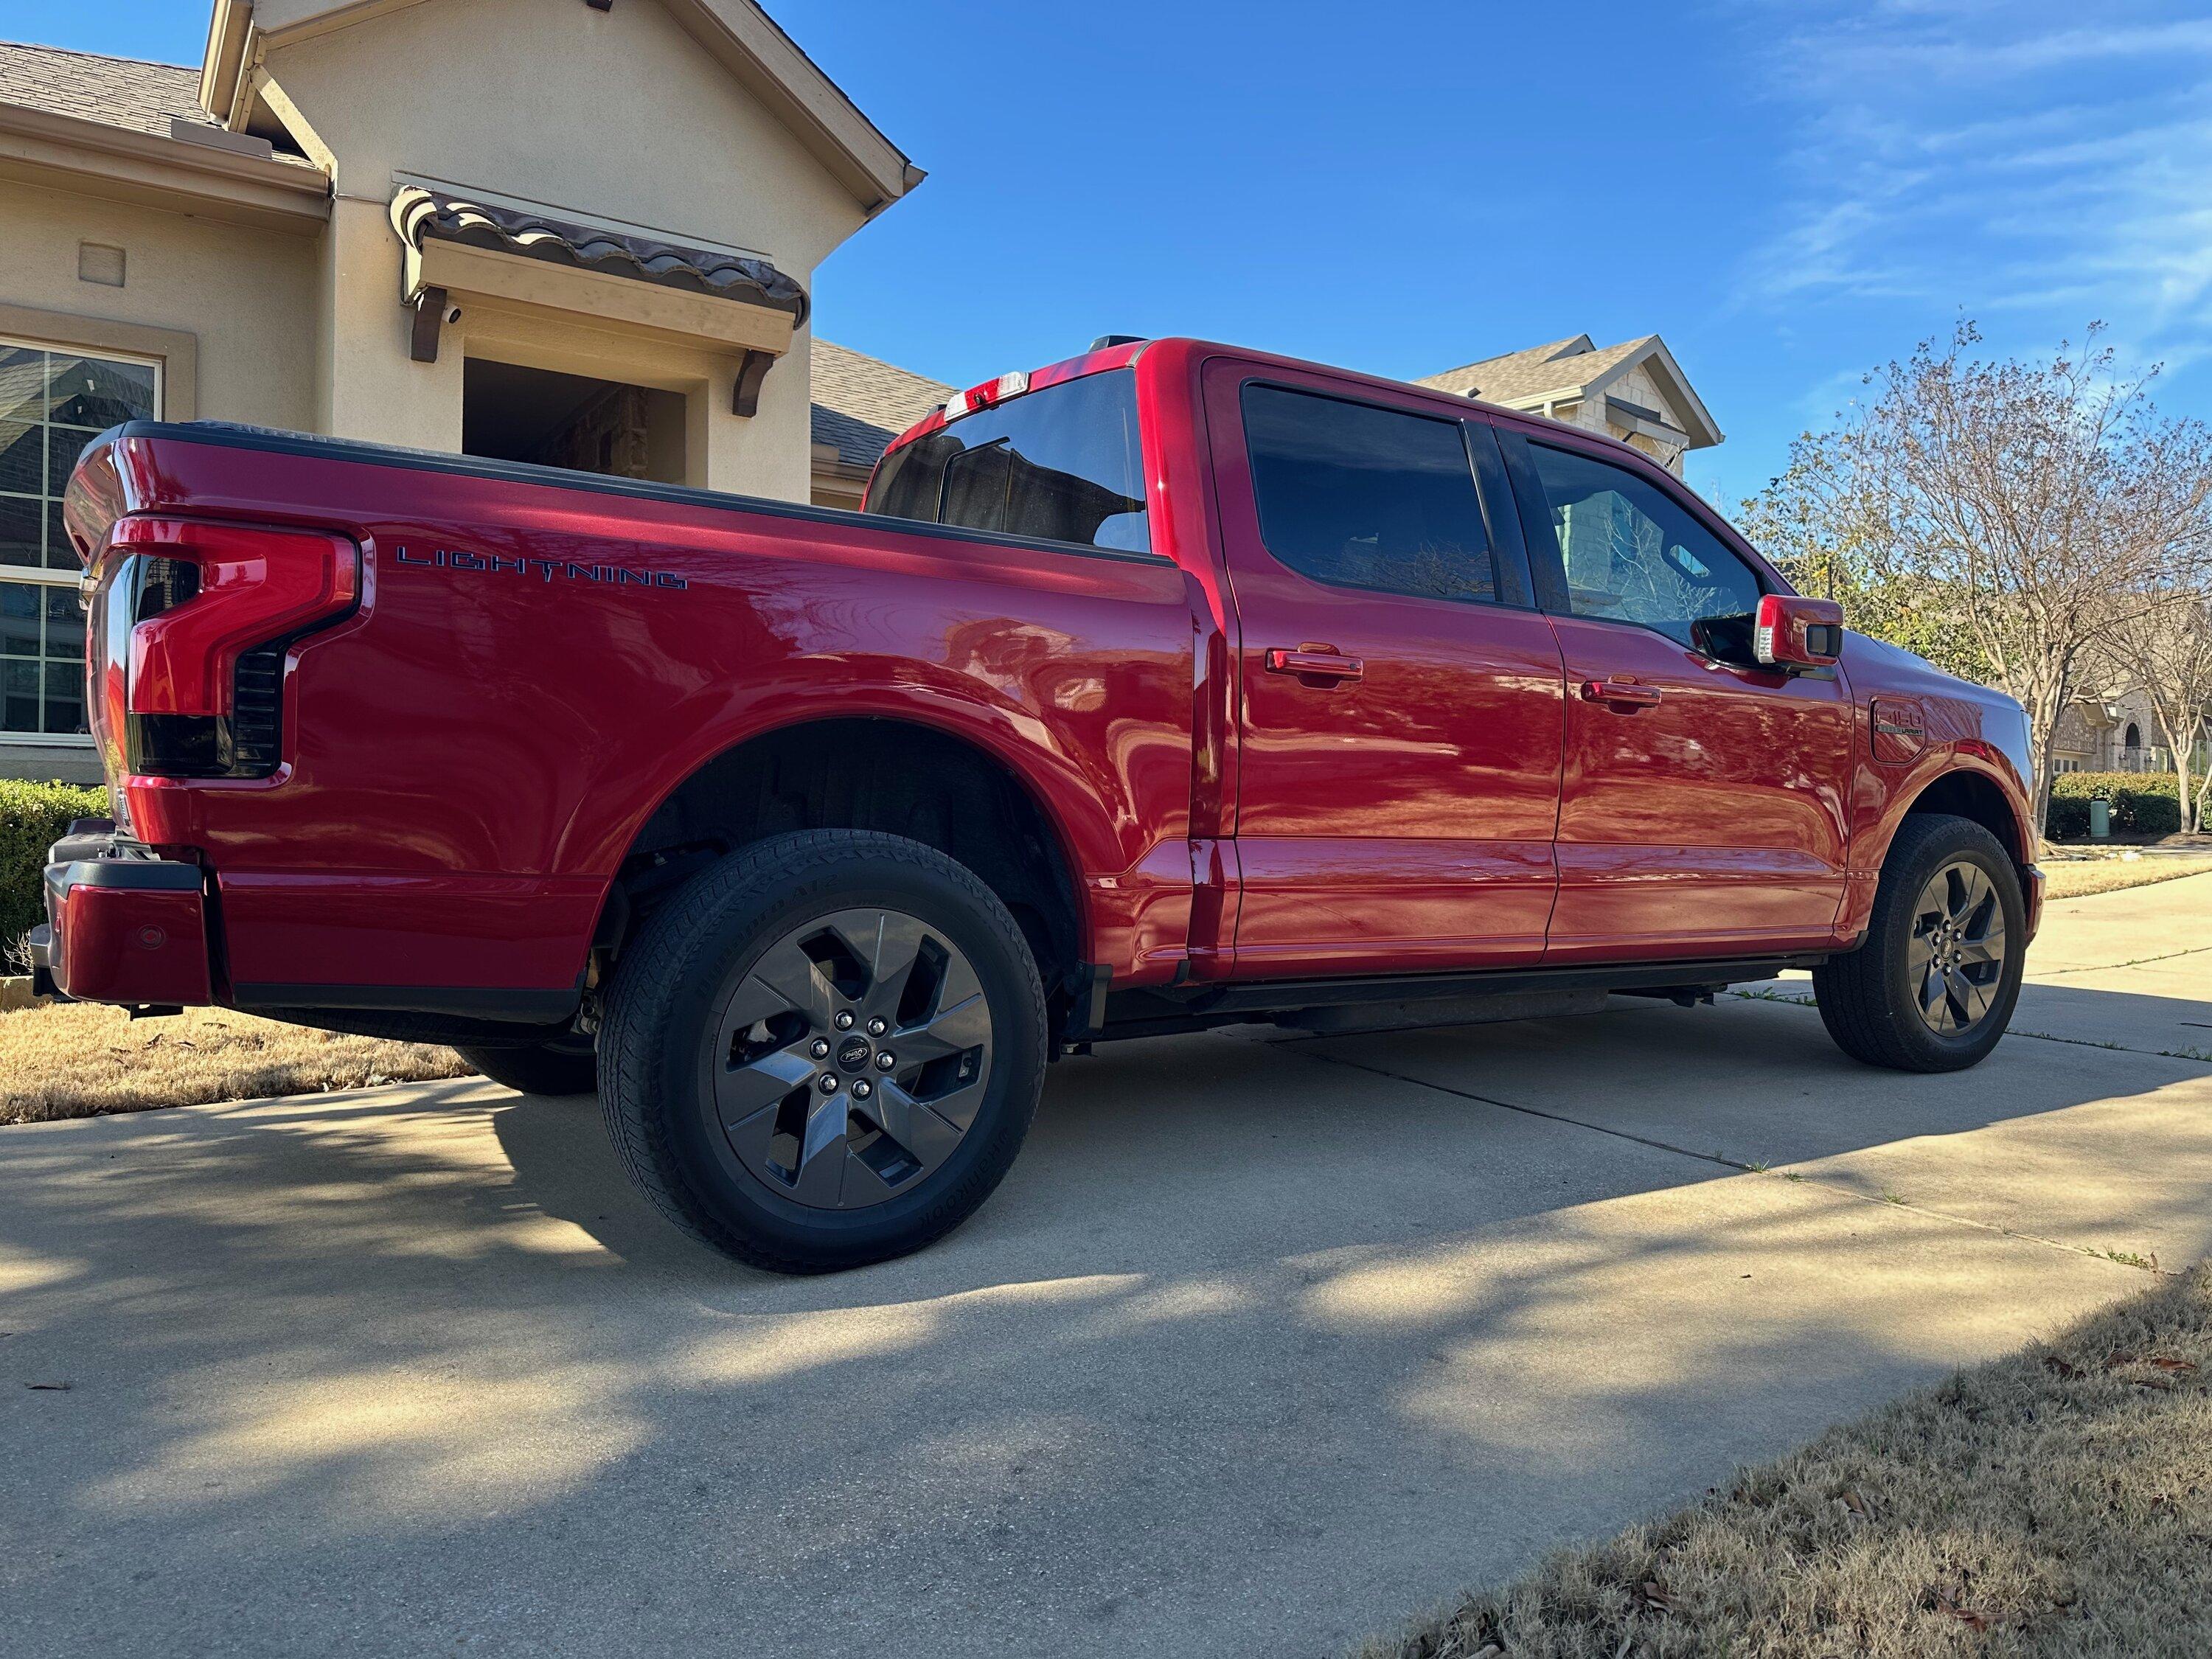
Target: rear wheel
x=823, y=1052
x=1933, y=986
x=566, y=1066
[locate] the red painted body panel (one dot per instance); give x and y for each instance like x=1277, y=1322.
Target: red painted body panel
x=1708, y=824
x=507, y=731
x=127, y=944
x=1402, y=820
x=536, y=663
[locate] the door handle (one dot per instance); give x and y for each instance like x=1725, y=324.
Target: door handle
x=1620, y=694
x=1314, y=664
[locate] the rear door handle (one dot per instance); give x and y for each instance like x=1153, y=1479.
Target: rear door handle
x=1620, y=694
x=1316, y=665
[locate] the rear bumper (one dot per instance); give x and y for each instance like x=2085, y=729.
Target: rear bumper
x=126, y=930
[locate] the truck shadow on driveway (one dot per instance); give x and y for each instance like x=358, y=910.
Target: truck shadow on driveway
x=1265, y=1343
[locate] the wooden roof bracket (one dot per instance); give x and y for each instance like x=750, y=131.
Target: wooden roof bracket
x=745, y=393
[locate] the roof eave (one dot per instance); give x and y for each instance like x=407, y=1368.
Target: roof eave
x=741, y=37
x=1704, y=432
x=769, y=64
x=223, y=66
x=245, y=187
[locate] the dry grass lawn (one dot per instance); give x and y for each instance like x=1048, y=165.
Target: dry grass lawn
x=75, y=1060
x=2057, y=1503
x=2077, y=877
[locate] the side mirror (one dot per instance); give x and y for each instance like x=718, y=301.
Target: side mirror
x=1793, y=632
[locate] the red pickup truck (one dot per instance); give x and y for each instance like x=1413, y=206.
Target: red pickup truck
x=1168, y=686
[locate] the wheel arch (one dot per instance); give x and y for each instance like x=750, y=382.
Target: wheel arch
x=894, y=773
x=1966, y=793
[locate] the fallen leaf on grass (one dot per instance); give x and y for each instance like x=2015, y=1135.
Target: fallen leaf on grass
x=2166, y=1361
x=1950, y=1597
x=2060, y=1367
x=1858, y=1506
x=1653, y=1594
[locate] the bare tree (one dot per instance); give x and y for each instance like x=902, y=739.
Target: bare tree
x=2032, y=504
x=1823, y=523
x=2165, y=654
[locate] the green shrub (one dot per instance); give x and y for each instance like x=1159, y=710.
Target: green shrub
x=33, y=817
x=2143, y=803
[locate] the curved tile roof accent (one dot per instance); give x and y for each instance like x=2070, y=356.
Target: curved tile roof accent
x=420, y=214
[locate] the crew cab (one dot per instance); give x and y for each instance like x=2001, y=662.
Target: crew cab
x=1168, y=686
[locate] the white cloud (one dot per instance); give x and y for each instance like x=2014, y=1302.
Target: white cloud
x=1994, y=159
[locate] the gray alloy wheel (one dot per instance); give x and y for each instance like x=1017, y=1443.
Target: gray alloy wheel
x=854, y=1054
x=1935, y=979
x=1956, y=954
x=823, y=1050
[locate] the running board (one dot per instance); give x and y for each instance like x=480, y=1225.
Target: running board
x=1399, y=1001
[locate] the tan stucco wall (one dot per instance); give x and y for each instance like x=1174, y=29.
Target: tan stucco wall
x=229, y=309
x=247, y=296
x=613, y=116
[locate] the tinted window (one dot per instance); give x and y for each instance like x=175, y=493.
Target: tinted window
x=1633, y=553
x=1061, y=464
x=1366, y=497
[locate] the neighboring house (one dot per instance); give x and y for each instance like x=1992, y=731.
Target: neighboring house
x=2116, y=733
x=860, y=404
x=1635, y=392
x=577, y=232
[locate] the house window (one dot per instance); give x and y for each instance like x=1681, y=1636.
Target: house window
x=53, y=402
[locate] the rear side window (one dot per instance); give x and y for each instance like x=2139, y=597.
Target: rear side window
x=1363, y=496
x=1059, y=465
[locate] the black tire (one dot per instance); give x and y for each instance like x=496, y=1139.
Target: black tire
x=564, y=1068
x=672, y=991
x=1867, y=999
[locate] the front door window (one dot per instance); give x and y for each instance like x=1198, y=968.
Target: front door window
x=1632, y=553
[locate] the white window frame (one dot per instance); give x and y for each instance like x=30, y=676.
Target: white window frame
x=40, y=576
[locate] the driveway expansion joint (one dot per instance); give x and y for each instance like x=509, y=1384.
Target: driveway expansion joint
x=1880, y=1201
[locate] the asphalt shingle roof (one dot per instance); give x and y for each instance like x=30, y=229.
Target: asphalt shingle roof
x=116, y=92
x=1553, y=367
x=861, y=403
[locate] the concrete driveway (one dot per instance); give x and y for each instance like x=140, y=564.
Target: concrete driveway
x=1265, y=1343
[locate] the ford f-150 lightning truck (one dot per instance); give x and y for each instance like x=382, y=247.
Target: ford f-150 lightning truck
x=1168, y=686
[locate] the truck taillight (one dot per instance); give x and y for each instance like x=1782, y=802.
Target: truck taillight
x=198, y=616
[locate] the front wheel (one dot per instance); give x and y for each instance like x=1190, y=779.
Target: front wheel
x=1932, y=987
x=823, y=1052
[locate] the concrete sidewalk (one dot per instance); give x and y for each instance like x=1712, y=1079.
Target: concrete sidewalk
x=1265, y=1343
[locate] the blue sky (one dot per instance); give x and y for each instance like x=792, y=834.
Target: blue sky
x=1790, y=190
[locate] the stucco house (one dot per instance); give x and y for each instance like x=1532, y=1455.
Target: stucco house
x=1635, y=392
x=2117, y=731
x=405, y=220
